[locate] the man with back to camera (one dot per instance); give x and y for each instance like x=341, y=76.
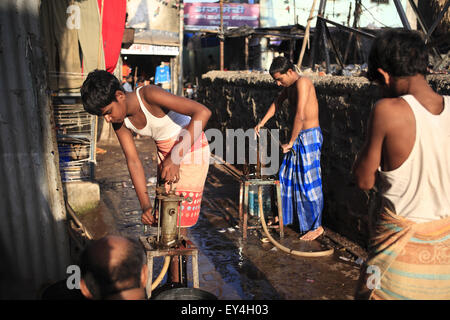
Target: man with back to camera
x=407, y=154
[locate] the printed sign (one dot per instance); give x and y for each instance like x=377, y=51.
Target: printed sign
x=203, y=15
x=148, y=49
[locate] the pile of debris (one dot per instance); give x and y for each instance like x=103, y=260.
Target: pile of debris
x=350, y=70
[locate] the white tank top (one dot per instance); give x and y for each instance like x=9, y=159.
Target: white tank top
x=159, y=128
x=419, y=189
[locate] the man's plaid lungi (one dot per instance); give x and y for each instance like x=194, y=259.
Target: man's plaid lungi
x=301, y=181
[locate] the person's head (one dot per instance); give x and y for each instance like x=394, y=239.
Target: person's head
x=140, y=81
x=397, y=54
x=112, y=265
x=129, y=78
x=283, y=71
x=99, y=90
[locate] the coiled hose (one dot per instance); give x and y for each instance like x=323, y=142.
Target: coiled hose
x=279, y=245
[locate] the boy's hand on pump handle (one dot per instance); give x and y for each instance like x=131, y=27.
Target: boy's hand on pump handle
x=170, y=173
x=148, y=217
x=285, y=147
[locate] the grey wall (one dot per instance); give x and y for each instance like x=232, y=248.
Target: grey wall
x=240, y=100
x=34, y=248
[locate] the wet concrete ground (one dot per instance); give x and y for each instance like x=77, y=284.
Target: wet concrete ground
x=229, y=267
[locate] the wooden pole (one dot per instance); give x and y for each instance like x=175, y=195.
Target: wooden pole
x=221, y=39
x=325, y=44
x=100, y=42
x=306, y=38
x=258, y=160
x=179, y=60
x=317, y=35
x=246, y=53
x=335, y=49
x=355, y=25
x=135, y=78
x=95, y=122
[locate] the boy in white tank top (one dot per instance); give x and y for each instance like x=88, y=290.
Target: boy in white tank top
x=407, y=153
x=154, y=112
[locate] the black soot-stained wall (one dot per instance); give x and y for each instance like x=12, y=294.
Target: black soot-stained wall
x=239, y=99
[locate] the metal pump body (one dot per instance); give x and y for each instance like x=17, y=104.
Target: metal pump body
x=169, y=217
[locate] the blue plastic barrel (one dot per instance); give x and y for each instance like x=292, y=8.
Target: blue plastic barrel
x=253, y=206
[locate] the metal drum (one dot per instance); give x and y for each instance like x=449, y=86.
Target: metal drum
x=185, y=294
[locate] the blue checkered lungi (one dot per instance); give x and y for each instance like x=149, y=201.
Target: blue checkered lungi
x=301, y=181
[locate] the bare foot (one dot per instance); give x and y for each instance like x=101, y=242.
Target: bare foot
x=273, y=222
x=312, y=235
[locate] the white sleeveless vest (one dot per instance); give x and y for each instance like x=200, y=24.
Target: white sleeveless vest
x=159, y=129
x=419, y=189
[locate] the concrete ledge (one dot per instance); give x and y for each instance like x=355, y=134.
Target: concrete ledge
x=82, y=195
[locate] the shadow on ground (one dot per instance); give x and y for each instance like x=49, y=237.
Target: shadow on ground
x=229, y=267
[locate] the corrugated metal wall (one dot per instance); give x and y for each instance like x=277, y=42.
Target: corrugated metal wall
x=33, y=240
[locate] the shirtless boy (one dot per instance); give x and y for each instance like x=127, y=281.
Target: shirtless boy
x=300, y=173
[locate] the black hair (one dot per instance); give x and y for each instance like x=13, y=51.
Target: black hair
x=103, y=279
x=401, y=53
x=281, y=64
x=99, y=90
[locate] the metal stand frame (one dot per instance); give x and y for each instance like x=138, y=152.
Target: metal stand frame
x=186, y=248
x=243, y=204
